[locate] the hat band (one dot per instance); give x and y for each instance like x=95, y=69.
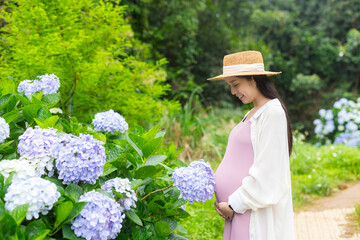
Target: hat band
x=254, y=67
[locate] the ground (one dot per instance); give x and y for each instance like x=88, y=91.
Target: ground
x=330, y=217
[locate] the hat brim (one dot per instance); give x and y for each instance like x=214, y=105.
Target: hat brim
x=223, y=76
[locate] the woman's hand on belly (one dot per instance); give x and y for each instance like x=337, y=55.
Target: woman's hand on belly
x=224, y=210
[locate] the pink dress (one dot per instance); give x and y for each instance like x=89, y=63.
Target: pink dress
x=239, y=157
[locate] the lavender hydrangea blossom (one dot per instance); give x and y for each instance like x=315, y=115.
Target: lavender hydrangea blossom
x=121, y=185
x=100, y=219
x=48, y=83
x=79, y=158
x=196, y=182
x=39, y=193
x=110, y=121
x=4, y=130
x=37, y=142
x=349, y=139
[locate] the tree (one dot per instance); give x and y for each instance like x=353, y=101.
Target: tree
x=92, y=49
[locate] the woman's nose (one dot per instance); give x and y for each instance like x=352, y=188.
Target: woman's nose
x=233, y=91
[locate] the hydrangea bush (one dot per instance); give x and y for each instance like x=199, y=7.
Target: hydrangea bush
x=71, y=180
x=340, y=124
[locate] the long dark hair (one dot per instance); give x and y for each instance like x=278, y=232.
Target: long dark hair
x=267, y=88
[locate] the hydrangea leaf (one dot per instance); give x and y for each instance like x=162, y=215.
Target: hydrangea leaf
x=134, y=217
x=134, y=184
x=162, y=229
x=34, y=228
x=62, y=212
x=179, y=203
x=145, y=171
x=65, y=124
x=137, y=149
x=19, y=213
x=152, y=146
x=48, y=122
x=73, y=191
x=108, y=168
x=24, y=100
x=69, y=234
x=51, y=100
x=11, y=116
x=155, y=159
x=171, y=221
x=8, y=225
x=43, y=114
x=8, y=102
x=41, y=235
x=30, y=111
x=78, y=207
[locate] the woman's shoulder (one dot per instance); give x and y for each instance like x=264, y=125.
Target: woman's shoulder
x=273, y=109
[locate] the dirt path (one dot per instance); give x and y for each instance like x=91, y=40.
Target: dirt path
x=326, y=218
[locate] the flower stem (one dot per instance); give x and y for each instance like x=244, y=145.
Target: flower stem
x=158, y=190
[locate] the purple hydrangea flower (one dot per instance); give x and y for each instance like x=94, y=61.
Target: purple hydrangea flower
x=351, y=126
x=122, y=185
x=4, y=130
x=322, y=113
x=79, y=158
x=110, y=121
x=39, y=193
x=48, y=83
x=37, y=142
x=329, y=115
x=349, y=139
x=29, y=87
x=196, y=182
x=329, y=126
x=101, y=218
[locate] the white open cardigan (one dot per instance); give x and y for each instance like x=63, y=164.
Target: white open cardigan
x=267, y=189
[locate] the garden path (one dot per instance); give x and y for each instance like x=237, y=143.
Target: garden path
x=327, y=218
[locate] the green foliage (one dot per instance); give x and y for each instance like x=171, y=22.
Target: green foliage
x=137, y=154
x=91, y=48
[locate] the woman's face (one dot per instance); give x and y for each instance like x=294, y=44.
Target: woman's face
x=243, y=88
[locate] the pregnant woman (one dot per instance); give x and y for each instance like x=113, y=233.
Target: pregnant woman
x=252, y=183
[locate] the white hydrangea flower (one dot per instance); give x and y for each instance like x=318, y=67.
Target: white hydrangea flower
x=4, y=130
x=42, y=165
x=39, y=193
x=22, y=169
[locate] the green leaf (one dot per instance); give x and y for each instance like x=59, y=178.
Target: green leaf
x=174, y=236
x=23, y=99
x=108, y=168
x=49, y=122
x=65, y=124
x=73, y=191
x=8, y=102
x=62, y=212
x=69, y=234
x=134, y=217
x=105, y=193
x=145, y=171
x=78, y=207
x=4, y=101
x=11, y=116
x=6, y=145
x=137, y=149
x=58, y=184
x=162, y=229
x=43, y=114
x=155, y=159
x=136, y=183
x=41, y=235
x=8, y=225
x=171, y=221
x=2, y=186
x=30, y=111
x=152, y=146
x=19, y=213
x=51, y=100
x=179, y=203
x=34, y=228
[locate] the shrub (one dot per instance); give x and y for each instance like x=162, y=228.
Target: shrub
x=85, y=203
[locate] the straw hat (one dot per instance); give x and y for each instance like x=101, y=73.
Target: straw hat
x=247, y=63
